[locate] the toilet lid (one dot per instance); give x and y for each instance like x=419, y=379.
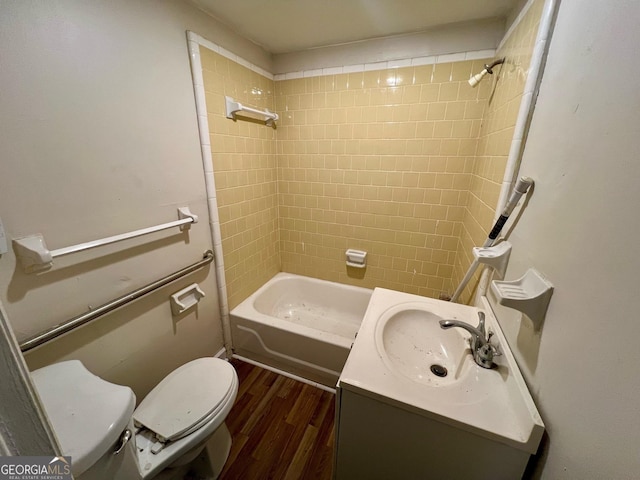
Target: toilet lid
x=185, y=397
x=88, y=413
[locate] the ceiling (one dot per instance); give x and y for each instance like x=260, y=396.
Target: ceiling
x=283, y=26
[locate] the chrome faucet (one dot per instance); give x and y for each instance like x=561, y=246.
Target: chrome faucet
x=483, y=351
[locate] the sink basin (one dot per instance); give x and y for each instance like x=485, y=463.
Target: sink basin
x=399, y=341
x=411, y=343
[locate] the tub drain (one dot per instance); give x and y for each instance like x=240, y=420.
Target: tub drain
x=438, y=370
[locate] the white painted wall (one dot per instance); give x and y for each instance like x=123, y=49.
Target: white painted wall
x=99, y=137
x=448, y=39
x=581, y=228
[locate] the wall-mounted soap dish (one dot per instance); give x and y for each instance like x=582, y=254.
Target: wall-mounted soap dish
x=496, y=256
x=529, y=294
x=356, y=258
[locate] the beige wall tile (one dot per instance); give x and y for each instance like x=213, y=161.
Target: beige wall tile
x=494, y=140
x=403, y=163
x=395, y=190
x=244, y=162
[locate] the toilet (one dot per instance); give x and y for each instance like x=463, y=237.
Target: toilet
x=177, y=427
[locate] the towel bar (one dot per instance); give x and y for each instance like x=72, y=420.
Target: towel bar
x=33, y=254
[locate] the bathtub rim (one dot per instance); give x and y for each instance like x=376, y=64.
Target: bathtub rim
x=247, y=311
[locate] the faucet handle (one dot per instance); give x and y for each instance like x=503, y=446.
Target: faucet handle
x=484, y=355
x=481, y=323
x=494, y=348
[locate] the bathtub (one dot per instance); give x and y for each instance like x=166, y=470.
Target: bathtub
x=301, y=325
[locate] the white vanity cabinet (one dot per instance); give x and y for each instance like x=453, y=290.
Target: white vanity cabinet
x=376, y=440
x=413, y=404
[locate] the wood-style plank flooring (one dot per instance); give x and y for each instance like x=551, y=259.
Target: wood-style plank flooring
x=281, y=428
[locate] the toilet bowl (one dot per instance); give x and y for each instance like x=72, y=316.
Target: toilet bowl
x=179, y=421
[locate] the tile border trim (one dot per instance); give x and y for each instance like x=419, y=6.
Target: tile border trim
x=360, y=67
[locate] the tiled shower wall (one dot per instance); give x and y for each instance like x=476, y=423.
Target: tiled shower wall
x=244, y=162
x=379, y=161
x=404, y=163
x=494, y=142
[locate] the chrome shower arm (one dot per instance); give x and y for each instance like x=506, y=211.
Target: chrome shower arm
x=489, y=67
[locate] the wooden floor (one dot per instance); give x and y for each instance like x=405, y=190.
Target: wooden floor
x=281, y=428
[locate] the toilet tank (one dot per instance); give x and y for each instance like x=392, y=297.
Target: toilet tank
x=88, y=413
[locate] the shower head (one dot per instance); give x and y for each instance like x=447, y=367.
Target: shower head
x=475, y=80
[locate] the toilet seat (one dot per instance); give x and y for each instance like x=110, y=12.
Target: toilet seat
x=187, y=398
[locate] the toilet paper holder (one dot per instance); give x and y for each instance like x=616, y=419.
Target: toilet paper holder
x=185, y=299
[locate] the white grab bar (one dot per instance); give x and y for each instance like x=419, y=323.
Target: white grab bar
x=33, y=254
x=232, y=107
x=96, y=312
